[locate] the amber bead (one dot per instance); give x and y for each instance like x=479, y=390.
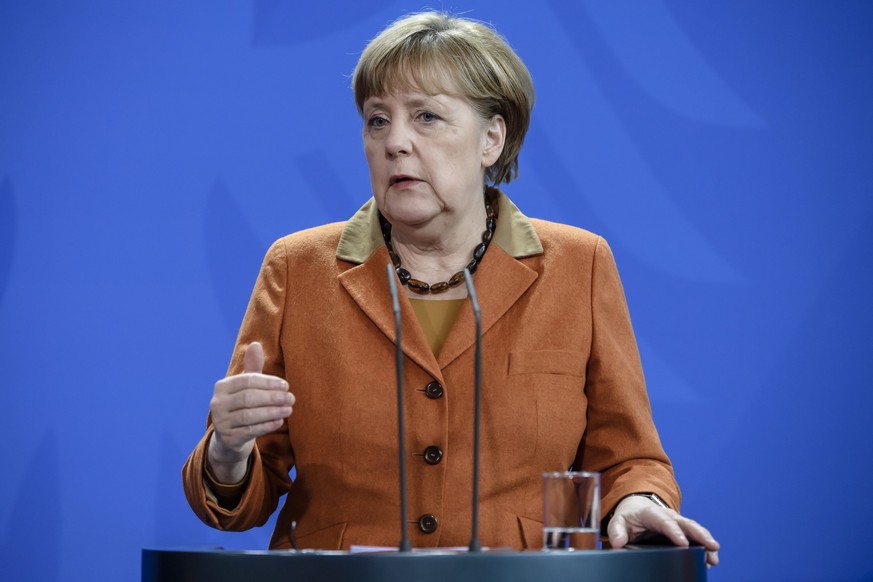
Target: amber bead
x=472, y=266
x=479, y=252
x=491, y=223
x=417, y=286
x=487, y=236
x=439, y=287
x=404, y=276
x=456, y=279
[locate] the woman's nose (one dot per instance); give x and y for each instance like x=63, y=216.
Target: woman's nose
x=399, y=142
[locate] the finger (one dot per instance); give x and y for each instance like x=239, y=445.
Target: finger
x=617, y=531
x=253, y=360
x=664, y=523
x=250, y=432
x=250, y=381
x=260, y=398
x=712, y=558
x=256, y=416
x=229, y=403
x=697, y=533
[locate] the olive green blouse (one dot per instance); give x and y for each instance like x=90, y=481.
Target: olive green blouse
x=436, y=318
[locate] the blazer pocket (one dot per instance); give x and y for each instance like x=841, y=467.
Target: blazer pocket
x=531, y=533
x=560, y=362
x=327, y=538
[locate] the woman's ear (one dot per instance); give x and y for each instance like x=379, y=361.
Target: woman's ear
x=494, y=138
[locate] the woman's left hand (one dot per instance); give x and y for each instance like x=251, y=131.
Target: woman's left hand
x=636, y=515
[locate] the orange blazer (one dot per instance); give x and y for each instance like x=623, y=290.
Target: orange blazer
x=562, y=387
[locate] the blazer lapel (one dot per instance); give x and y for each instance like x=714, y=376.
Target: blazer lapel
x=367, y=284
x=500, y=281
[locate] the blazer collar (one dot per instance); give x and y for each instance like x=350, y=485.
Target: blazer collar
x=515, y=234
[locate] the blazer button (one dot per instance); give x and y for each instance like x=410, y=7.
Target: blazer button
x=427, y=523
x=433, y=455
x=434, y=390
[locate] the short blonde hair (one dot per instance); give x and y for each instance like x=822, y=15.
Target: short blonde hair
x=435, y=52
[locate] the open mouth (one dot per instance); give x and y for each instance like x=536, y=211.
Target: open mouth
x=401, y=179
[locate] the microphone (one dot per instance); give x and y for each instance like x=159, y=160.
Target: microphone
x=395, y=305
x=471, y=291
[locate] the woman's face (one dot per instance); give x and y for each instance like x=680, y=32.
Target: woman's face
x=427, y=156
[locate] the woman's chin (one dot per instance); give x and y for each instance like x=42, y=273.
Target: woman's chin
x=412, y=217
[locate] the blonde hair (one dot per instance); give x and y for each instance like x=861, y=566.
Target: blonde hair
x=435, y=53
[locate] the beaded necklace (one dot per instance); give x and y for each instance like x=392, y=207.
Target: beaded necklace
x=422, y=288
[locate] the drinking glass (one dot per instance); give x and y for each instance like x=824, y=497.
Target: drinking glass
x=571, y=510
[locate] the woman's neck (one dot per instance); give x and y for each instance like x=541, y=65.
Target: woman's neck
x=436, y=252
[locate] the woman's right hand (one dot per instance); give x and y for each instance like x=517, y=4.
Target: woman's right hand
x=244, y=407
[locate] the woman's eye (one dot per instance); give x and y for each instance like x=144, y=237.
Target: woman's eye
x=428, y=117
x=377, y=122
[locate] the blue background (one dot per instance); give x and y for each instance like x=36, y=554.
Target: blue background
x=151, y=151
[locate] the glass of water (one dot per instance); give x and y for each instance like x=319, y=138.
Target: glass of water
x=571, y=510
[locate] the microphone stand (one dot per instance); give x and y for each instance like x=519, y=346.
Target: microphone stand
x=405, y=546
x=471, y=291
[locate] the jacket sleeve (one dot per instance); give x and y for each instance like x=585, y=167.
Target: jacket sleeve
x=272, y=457
x=620, y=440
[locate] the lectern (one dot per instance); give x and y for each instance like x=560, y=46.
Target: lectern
x=648, y=564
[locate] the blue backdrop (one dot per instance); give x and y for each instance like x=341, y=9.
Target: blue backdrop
x=151, y=151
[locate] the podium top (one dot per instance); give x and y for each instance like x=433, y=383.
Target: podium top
x=217, y=565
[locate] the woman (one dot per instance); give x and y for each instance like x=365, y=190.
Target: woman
x=445, y=105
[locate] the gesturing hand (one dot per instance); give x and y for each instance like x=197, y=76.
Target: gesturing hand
x=244, y=407
x=635, y=516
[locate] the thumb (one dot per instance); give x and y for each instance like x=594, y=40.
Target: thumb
x=617, y=531
x=253, y=360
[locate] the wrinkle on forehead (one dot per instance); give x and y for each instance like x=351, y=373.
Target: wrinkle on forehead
x=408, y=98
